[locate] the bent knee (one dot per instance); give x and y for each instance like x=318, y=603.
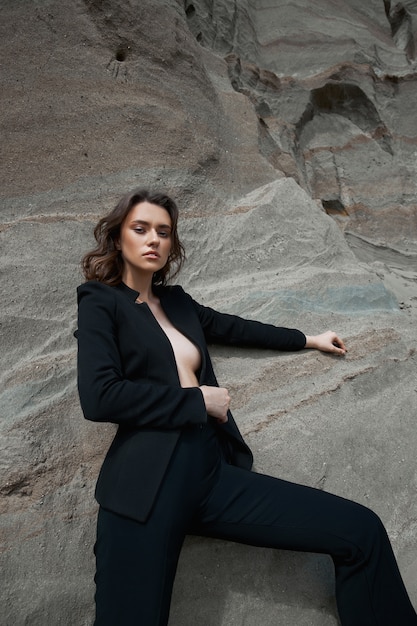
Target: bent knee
x=368, y=532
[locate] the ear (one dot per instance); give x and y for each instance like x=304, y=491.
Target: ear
x=117, y=244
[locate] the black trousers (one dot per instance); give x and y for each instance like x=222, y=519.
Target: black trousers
x=136, y=563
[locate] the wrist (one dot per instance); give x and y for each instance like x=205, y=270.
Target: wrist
x=310, y=341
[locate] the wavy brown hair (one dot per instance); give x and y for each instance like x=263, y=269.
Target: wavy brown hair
x=105, y=262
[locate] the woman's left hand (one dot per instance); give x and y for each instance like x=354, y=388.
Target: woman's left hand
x=326, y=342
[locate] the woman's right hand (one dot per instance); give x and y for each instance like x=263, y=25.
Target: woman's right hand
x=217, y=401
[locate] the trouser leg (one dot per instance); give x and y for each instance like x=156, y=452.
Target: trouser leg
x=264, y=511
x=136, y=562
x=136, y=565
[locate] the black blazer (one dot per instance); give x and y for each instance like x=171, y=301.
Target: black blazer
x=127, y=374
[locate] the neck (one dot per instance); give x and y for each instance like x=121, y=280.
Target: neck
x=141, y=283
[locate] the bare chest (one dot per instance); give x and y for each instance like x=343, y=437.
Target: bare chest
x=187, y=355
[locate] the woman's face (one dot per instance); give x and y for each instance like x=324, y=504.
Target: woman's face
x=145, y=239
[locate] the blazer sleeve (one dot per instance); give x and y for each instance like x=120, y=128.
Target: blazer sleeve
x=234, y=330
x=105, y=394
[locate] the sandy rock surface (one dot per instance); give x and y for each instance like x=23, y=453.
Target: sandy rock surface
x=287, y=133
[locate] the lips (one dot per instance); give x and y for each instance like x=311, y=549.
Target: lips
x=152, y=254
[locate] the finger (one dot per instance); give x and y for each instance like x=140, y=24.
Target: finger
x=222, y=420
x=339, y=344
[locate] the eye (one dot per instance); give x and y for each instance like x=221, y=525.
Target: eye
x=139, y=229
x=164, y=233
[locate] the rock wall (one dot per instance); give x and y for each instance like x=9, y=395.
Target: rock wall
x=287, y=133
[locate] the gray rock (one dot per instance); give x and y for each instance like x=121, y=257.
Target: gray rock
x=287, y=134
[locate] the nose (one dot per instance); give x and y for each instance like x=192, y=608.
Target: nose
x=153, y=239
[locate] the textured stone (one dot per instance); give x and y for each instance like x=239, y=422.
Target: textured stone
x=287, y=132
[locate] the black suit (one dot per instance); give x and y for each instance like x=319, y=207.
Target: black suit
x=171, y=471
x=127, y=374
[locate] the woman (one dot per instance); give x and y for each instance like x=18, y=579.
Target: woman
x=178, y=463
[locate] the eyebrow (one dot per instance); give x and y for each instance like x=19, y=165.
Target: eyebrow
x=144, y=223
